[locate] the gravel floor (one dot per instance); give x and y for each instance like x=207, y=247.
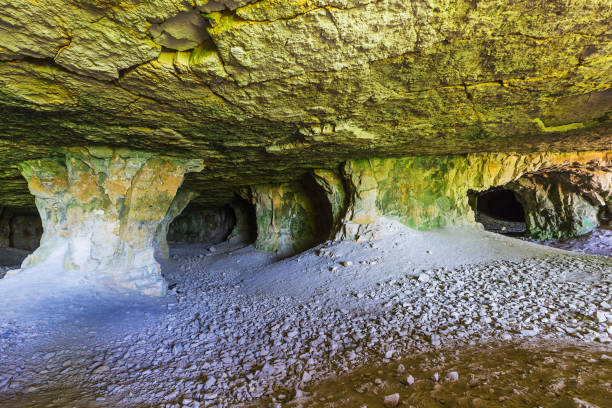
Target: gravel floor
x=238, y=328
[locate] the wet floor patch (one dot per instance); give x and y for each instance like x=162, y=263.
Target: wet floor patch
x=492, y=375
x=598, y=242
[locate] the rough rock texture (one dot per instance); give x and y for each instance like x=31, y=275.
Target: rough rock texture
x=277, y=88
x=100, y=209
x=5, y=228
x=180, y=201
x=289, y=219
x=432, y=192
x=210, y=225
x=554, y=207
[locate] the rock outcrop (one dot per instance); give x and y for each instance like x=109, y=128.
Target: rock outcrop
x=179, y=203
x=289, y=218
x=329, y=113
x=100, y=210
x=554, y=208
x=432, y=192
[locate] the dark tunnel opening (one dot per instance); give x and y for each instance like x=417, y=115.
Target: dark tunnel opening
x=20, y=233
x=501, y=204
x=499, y=210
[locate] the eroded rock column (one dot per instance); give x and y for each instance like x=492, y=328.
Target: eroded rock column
x=179, y=203
x=554, y=208
x=286, y=218
x=101, y=209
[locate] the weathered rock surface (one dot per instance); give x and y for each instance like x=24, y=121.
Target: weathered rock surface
x=557, y=208
x=100, y=209
x=180, y=201
x=265, y=91
x=432, y=192
x=289, y=218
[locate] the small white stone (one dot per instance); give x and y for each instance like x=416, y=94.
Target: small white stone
x=392, y=400
x=600, y=315
x=347, y=263
x=452, y=376
x=435, y=377
x=101, y=369
x=401, y=369
x=423, y=277
x=409, y=380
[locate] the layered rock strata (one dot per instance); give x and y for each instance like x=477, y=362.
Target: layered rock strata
x=265, y=91
x=100, y=210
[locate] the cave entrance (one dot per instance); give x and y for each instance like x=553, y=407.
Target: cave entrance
x=499, y=210
x=202, y=225
x=20, y=233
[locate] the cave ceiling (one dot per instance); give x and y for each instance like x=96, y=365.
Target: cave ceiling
x=264, y=91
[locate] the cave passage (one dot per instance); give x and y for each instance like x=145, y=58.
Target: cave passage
x=500, y=204
x=498, y=210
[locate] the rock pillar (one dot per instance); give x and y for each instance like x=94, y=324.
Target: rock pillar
x=100, y=210
x=180, y=202
x=286, y=218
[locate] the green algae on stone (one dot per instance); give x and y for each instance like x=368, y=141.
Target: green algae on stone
x=433, y=192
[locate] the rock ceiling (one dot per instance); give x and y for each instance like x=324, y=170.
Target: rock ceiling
x=264, y=91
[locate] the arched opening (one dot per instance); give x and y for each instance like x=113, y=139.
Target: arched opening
x=202, y=225
x=245, y=228
x=322, y=210
x=499, y=210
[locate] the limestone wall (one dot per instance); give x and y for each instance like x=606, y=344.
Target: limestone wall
x=100, y=210
x=432, y=192
x=290, y=218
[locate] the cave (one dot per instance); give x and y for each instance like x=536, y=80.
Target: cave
x=500, y=204
x=250, y=203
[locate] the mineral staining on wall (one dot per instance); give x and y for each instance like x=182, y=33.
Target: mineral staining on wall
x=287, y=218
x=284, y=87
x=100, y=210
x=432, y=192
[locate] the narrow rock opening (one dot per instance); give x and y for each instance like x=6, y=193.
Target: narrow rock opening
x=322, y=210
x=499, y=210
x=245, y=226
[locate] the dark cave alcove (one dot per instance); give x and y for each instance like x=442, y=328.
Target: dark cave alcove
x=499, y=210
x=20, y=233
x=202, y=225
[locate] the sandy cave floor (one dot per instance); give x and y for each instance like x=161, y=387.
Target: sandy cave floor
x=521, y=324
